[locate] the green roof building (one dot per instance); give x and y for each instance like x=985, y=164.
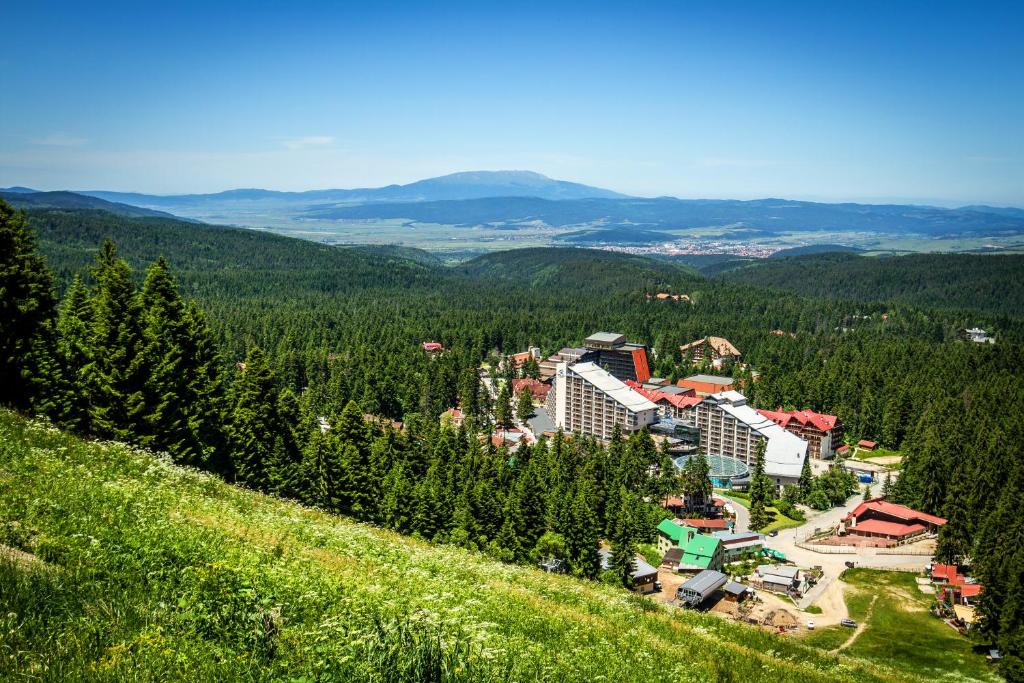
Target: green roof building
x=699, y=551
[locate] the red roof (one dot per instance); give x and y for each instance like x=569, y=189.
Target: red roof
x=897, y=511
x=970, y=590
x=877, y=526
x=782, y=418
x=672, y=502
x=537, y=388
x=945, y=571
x=864, y=443
x=432, y=346
x=685, y=400
x=705, y=523
x=842, y=449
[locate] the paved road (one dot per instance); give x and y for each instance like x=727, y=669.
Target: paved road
x=832, y=565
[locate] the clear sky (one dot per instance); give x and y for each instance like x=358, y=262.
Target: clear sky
x=874, y=101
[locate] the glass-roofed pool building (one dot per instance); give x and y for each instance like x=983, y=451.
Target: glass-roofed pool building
x=724, y=472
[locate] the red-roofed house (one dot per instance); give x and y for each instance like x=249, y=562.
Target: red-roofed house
x=520, y=359
x=454, y=415
x=944, y=573
x=866, y=445
x=538, y=390
x=706, y=524
x=433, y=347
x=823, y=433
x=877, y=518
x=843, y=451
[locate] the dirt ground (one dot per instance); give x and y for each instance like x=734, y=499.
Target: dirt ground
x=764, y=603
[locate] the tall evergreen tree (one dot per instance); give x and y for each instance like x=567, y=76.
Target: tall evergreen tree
x=75, y=351
x=27, y=315
x=254, y=424
x=117, y=372
x=624, y=541
x=524, y=406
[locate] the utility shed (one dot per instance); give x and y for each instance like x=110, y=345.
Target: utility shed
x=735, y=591
x=701, y=587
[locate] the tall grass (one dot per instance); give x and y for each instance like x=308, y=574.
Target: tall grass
x=150, y=572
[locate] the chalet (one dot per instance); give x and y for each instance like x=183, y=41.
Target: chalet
x=955, y=586
x=699, y=550
x=520, y=359
x=643, y=575
x=706, y=525
x=538, y=390
x=433, y=347
x=453, y=416
x=843, y=451
x=866, y=445
x=716, y=349
x=889, y=522
x=821, y=432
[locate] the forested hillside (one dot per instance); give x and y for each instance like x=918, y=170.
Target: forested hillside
x=337, y=333
x=989, y=283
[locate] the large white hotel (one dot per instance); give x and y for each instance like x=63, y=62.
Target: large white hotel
x=590, y=400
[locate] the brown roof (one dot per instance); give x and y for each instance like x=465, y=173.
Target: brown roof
x=720, y=345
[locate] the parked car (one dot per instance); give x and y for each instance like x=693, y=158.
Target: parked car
x=810, y=625
x=848, y=623
x=773, y=533
x=657, y=586
x=849, y=564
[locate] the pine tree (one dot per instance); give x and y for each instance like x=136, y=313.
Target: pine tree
x=759, y=516
x=760, y=485
x=804, y=483
x=867, y=492
x=75, y=353
x=503, y=405
x=624, y=541
x=27, y=316
x=205, y=400
x=887, y=486
x=166, y=387
x=524, y=408
x=117, y=372
x=254, y=422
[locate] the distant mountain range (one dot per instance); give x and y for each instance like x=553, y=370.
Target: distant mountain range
x=466, y=185
x=516, y=199
x=25, y=198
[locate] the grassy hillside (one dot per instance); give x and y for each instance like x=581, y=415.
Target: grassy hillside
x=120, y=566
x=990, y=283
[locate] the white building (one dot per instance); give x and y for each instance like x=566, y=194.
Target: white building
x=979, y=336
x=729, y=427
x=589, y=400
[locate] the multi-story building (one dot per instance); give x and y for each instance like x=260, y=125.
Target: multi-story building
x=624, y=360
x=729, y=427
x=823, y=433
x=678, y=404
x=568, y=354
x=590, y=400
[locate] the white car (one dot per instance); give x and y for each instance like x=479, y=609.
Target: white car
x=810, y=625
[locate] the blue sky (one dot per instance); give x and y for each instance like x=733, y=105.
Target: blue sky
x=867, y=101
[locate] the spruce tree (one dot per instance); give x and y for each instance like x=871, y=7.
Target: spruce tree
x=759, y=516
x=166, y=388
x=75, y=351
x=524, y=406
x=117, y=372
x=503, y=405
x=804, y=483
x=253, y=428
x=624, y=541
x=27, y=316
x=205, y=398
